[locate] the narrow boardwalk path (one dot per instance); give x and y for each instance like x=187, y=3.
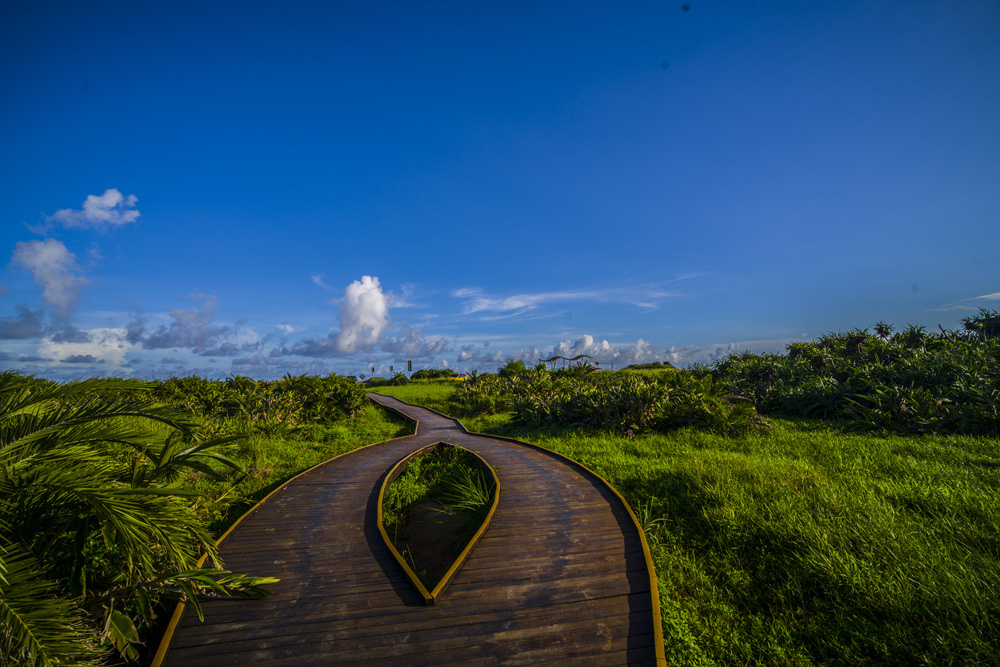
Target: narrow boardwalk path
x=560, y=576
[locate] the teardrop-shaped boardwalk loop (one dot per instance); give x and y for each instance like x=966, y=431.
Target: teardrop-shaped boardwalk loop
x=560, y=575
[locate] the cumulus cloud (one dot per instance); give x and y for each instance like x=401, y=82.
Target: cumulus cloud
x=364, y=316
x=365, y=327
x=413, y=345
x=98, y=346
x=26, y=324
x=55, y=270
x=604, y=352
x=80, y=359
x=103, y=212
x=63, y=332
x=195, y=329
x=469, y=353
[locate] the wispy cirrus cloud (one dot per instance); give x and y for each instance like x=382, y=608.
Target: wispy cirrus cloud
x=477, y=301
x=967, y=304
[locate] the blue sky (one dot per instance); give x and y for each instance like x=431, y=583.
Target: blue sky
x=267, y=188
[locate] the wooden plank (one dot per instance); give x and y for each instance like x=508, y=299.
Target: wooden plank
x=414, y=620
x=560, y=575
x=597, y=638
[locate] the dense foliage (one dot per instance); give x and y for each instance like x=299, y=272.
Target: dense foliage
x=651, y=366
x=266, y=406
x=397, y=380
x=623, y=402
x=102, y=512
x=911, y=381
x=431, y=374
x=95, y=524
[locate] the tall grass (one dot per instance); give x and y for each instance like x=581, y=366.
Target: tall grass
x=435, y=394
x=809, y=545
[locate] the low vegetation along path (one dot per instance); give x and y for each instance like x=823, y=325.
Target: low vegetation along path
x=561, y=574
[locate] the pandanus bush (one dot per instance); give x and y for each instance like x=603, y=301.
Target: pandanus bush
x=95, y=523
x=625, y=402
x=911, y=381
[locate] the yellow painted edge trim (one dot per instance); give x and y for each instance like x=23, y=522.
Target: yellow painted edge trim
x=431, y=597
x=410, y=574
x=460, y=560
x=168, y=634
x=661, y=658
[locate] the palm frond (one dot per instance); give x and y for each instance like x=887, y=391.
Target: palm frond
x=37, y=626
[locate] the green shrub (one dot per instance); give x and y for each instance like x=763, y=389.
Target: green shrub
x=622, y=402
x=94, y=524
x=911, y=381
x=431, y=374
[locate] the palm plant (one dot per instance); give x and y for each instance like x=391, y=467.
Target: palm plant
x=95, y=525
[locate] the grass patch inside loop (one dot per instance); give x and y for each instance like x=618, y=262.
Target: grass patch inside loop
x=432, y=510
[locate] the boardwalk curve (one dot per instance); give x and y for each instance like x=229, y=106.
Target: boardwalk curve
x=561, y=575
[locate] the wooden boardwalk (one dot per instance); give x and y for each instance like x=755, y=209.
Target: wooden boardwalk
x=560, y=576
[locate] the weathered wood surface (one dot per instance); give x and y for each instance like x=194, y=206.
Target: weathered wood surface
x=559, y=576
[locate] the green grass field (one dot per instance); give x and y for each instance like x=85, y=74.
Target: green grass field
x=433, y=394
x=806, y=545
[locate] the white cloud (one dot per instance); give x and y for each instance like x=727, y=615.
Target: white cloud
x=365, y=327
x=103, y=212
x=105, y=346
x=642, y=296
x=617, y=355
x=317, y=279
x=286, y=328
x=606, y=354
x=961, y=305
x=195, y=329
x=55, y=270
x=364, y=316
x=952, y=309
x=413, y=345
x=402, y=300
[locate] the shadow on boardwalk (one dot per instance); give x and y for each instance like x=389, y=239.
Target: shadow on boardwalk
x=559, y=576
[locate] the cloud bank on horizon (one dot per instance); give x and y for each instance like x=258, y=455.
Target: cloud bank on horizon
x=366, y=334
